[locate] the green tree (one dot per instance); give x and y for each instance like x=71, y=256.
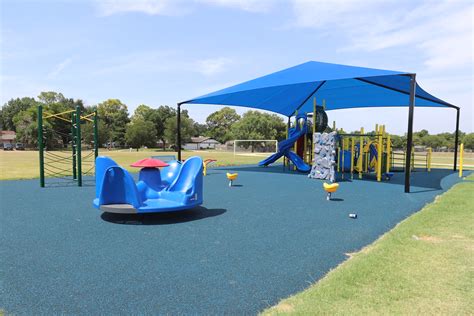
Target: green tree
x=200, y=129
x=143, y=112
x=434, y=141
x=468, y=141
x=258, y=125
x=187, y=129
x=140, y=133
x=418, y=137
x=164, y=113
x=50, y=97
x=157, y=116
x=12, y=108
x=87, y=132
x=114, y=114
x=54, y=103
x=398, y=142
x=220, y=123
x=422, y=133
x=27, y=133
x=449, y=138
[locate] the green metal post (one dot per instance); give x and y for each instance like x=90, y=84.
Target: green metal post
x=78, y=146
x=73, y=145
x=96, y=136
x=41, y=145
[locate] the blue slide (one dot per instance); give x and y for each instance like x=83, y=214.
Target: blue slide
x=284, y=149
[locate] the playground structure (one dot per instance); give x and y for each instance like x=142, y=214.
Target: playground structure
x=373, y=153
x=297, y=149
x=461, y=160
x=361, y=153
x=290, y=91
x=295, y=133
x=66, y=164
x=178, y=186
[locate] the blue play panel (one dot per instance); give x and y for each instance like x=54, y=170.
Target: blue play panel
x=243, y=250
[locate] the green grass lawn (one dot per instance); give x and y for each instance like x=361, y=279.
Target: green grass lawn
x=424, y=266
x=24, y=164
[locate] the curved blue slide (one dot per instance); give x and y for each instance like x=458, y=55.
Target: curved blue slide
x=284, y=149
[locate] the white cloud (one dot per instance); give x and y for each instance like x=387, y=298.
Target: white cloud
x=255, y=6
x=177, y=7
x=212, y=66
x=59, y=68
x=440, y=30
x=151, y=7
x=161, y=62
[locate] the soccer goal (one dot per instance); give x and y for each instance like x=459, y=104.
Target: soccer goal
x=255, y=147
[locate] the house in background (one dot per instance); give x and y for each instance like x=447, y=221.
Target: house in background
x=7, y=137
x=201, y=142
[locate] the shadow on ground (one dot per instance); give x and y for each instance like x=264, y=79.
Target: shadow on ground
x=166, y=218
x=421, y=179
x=430, y=180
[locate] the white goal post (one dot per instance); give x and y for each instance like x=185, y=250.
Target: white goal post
x=255, y=141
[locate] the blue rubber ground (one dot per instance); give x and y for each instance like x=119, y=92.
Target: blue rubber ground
x=249, y=246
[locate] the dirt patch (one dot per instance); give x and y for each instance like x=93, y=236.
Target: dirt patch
x=428, y=238
x=284, y=308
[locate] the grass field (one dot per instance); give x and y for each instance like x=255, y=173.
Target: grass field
x=24, y=164
x=424, y=266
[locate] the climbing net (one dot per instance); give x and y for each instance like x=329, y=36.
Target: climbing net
x=62, y=160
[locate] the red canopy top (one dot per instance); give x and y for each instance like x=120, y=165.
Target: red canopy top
x=149, y=163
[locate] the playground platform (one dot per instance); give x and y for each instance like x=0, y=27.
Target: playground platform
x=269, y=236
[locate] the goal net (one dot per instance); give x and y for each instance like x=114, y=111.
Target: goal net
x=255, y=147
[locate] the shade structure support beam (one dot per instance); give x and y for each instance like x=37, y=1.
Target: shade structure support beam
x=309, y=96
x=410, y=132
x=404, y=92
x=456, y=140
x=286, y=161
x=178, y=130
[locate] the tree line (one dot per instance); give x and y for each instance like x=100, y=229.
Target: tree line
x=146, y=125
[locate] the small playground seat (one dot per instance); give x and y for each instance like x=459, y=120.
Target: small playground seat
x=231, y=177
x=118, y=187
x=330, y=187
x=169, y=174
x=186, y=186
x=152, y=177
x=102, y=163
x=118, y=193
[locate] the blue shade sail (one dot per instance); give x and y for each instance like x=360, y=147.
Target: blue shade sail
x=341, y=86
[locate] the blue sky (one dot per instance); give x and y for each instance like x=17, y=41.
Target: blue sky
x=158, y=52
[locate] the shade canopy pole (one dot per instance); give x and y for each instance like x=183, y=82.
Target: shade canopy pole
x=178, y=130
x=456, y=140
x=410, y=132
x=286, y=161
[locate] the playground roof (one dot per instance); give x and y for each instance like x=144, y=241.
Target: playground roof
x=342, y=87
